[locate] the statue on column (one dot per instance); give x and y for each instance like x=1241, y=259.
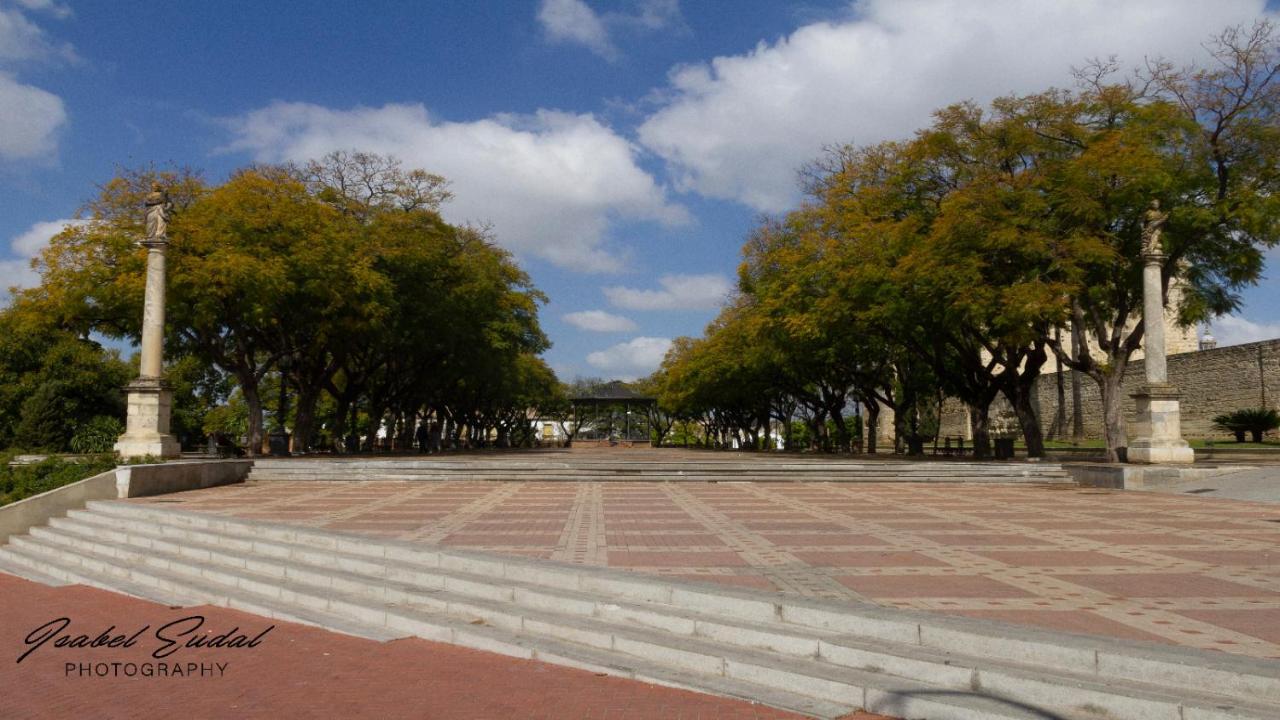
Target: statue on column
x=158, y=208
x=1152, y=222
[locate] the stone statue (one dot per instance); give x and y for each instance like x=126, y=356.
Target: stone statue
x=158, y=208
x=1152, y=222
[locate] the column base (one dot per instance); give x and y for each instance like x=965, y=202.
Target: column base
x=159, y=446
x=1161, y=454
x=1159, y=438
x=147, y=426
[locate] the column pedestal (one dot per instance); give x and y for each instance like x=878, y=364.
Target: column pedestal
x=146, y=431
x=1159, y=427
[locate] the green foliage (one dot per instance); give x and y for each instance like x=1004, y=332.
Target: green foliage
x=230, y=420
x=98, y=435
x=22, y=481
x=1255, y=421
x=953, y=261
x=338, y=280
x=52, y=381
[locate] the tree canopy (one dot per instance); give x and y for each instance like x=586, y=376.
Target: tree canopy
x=335, y=284
x=951, y=264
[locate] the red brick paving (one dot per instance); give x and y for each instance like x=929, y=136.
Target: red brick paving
x=304, y=672
x=1197, y=571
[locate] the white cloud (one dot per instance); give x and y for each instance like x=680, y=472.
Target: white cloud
x=17, y=272
x=29, y=120
x=549, y=183
x=55, y=9
x=22, y=40
x=679, y=292
x=1235, y=330
x=574, y=21
x=635, y=358
x=599, y=321
x=29, y=116
x=739, y=126
x=659, y=14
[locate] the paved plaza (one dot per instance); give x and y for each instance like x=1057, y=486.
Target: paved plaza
x=1183, y=569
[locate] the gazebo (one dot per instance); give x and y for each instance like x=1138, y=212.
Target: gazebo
x=612, y=413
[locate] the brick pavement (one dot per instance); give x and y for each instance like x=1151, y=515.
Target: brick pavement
x=300, y=672
x=1188, y=570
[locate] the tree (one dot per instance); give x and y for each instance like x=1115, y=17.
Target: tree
x=1203, y=141
x=53, y=383
x=336, y=277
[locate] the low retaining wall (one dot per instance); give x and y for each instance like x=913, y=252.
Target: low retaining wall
x=126, y=481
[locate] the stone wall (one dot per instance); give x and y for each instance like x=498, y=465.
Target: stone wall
x=1212, y=382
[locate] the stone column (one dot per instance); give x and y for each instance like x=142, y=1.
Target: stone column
x=152, y=365
x=1154, y=361
x=1159, y=432
x=150, y=399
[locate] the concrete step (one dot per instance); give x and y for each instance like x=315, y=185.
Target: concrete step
x=935, y=473
x=761, y=469
x=764, y=468
x=533, y=598
x=147, y=580
x=823, y=690
x=13, y=566
x=943, y=632
x=501, y=479
x=69, y=571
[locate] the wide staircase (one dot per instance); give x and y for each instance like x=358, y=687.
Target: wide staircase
x=653, y=465
x=821, y=658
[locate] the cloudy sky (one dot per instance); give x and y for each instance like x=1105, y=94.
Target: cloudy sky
x=621, y=148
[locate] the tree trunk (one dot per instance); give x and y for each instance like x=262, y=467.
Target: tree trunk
x=340, y=424
x=1032, y=435
x=304, y=419
x=872, y=430
x=253, y=402
x=374, y=424
x=1060, y=418
x=1113, y=427
x=980, y=420
x=1077, y=399
x=842, y=432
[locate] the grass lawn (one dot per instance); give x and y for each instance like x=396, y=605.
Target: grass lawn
x=1214, y=443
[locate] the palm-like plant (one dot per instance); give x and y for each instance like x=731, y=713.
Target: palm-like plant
x=1253, y=421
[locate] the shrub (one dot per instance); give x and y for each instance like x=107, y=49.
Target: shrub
x=97, y=436
x=23, y=481
x=1253, y=421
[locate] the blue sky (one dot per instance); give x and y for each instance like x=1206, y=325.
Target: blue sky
x=622, y=149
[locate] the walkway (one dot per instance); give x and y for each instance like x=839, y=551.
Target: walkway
x=1181, y=569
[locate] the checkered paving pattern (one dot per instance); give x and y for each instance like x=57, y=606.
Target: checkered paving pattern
x=1193, y=571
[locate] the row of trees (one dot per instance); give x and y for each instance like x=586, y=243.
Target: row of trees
x=331, y=293
x=958, y=262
